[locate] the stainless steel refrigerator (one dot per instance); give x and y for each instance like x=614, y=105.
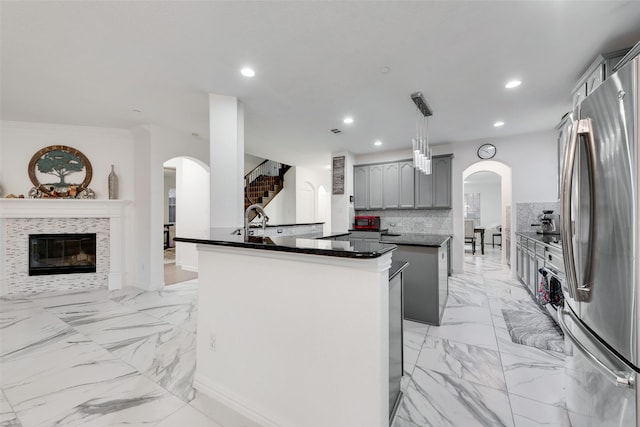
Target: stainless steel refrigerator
x=600, y=199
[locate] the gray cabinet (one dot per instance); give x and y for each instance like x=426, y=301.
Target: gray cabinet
x=424, y=190
x=396, y=185
x=434, y=191
x=441, y=171
x=361, y=187
x=391, y=184
x=426, y=282
x=376, y=186
x=406, y=178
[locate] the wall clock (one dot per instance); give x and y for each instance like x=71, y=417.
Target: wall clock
x=487, y=151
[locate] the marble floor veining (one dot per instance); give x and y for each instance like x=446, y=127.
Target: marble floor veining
x=100, y=358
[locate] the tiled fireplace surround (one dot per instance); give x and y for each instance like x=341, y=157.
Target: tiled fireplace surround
x=21, y=217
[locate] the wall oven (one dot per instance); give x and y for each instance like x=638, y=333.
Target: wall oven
x=366, y=222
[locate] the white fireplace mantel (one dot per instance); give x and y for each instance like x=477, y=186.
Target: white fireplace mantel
x=70, y=208
x=61, y=208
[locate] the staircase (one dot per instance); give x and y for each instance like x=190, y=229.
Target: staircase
x=263, y=183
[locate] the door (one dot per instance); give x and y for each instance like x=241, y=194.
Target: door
x=603, y=220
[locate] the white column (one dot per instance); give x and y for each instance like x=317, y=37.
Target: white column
x=226, y=151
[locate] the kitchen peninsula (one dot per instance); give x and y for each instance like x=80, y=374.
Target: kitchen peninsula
x=295, y=331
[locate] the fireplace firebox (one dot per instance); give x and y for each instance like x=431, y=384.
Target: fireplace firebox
x=62, y=253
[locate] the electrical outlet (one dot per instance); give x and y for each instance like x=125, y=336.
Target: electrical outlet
x=212, y=342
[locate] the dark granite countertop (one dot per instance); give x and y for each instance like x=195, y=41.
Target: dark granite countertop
x=313, y=244
x=415, y=239
x=397, y=267
x=544, y=238
x=258, y=225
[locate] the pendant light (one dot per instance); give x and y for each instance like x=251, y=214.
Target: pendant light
x=421, y=149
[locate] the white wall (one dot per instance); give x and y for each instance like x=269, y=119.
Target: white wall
x=490, y=201
x=192, y=210
x=313, y=203
x=250, y=162
x=532, y=159
x=282, y=209
x=103, y=147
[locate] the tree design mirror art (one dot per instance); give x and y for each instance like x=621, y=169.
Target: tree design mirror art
x=60, y=171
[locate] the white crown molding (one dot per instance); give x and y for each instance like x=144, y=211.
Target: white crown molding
x=61, y=208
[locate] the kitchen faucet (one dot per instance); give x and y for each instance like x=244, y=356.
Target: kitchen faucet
x=260, y=211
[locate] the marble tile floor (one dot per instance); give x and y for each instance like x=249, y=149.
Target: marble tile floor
x=468, y=372
x=99, y=358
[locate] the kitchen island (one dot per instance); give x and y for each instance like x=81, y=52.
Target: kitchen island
x=426, y=280
x=295, y=331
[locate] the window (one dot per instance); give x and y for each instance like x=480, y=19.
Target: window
x=172, y=205
x=472, y=207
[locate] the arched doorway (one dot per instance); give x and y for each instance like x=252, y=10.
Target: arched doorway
x=186, y=213
x=502, y=171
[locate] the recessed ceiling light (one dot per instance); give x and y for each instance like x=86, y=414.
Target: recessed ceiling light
x=498, y=124
x=512, y=84
x=247, y=72
x=348, y=120
x=377, y=143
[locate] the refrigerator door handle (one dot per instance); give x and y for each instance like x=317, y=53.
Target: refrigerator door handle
x=565, y=211
x=618, y=378
x=585, y=128
x=579, y=292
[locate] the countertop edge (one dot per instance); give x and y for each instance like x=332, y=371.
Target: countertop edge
x=275, y=248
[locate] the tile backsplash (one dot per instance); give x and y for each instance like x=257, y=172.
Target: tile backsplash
x=527, y=214
x=426, y=221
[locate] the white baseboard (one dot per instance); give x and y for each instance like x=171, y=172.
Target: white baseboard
x=189, y=268
x=235, y=402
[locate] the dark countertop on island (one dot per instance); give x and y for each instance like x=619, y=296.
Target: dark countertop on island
x=416, y=239
x=313, y=244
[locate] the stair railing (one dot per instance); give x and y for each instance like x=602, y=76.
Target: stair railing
x=266, y=168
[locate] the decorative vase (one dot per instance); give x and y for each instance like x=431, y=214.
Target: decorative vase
x=113, y=184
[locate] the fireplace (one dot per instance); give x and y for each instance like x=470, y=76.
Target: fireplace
x=62, y=253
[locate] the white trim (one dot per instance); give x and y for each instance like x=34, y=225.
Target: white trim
x=61, y=208
x=234, y=402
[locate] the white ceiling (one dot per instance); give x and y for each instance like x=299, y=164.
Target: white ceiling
x=92, y=63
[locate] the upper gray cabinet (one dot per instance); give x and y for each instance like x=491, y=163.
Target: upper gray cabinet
x=434, y=191
x=395, y=185
x=407, y=185
x=441, y=171
x=376, y=186
x=391, y=185
x=599, y=70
